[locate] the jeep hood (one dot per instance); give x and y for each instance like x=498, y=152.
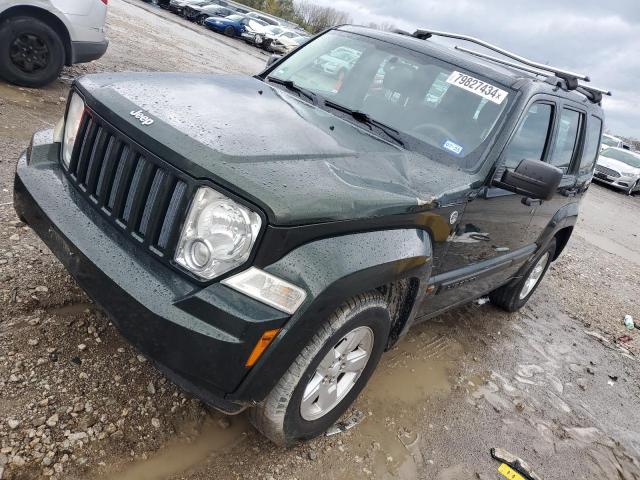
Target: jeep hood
x=297, y=162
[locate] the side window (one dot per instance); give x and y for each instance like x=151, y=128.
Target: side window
x=592, y=145
x=531, y=138
x=567, y=138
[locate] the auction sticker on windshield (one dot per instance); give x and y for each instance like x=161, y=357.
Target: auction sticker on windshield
x=473, y=85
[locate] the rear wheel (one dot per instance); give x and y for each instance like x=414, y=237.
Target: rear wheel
x=201, y=20
x=230, y=31
x=31, y=52
x=328, y=374
x=516, y=293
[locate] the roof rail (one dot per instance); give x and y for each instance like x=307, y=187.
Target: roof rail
x=500, y=60
x=560, y=73
x=593, y=93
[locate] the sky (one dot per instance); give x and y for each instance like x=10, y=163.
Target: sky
x=595, y=37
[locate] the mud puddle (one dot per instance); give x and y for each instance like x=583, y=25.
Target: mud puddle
x=176, y=458
x=72, y=309
x=420, y=369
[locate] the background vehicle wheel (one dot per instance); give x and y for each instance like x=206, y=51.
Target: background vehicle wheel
x=328, y=374
x=201, y=19
x=634, y=187
x=266, y=44
x=230, y=31
x=31, y=52
x=516, y=293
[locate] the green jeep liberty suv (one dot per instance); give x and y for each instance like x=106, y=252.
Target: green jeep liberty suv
x=265, y=239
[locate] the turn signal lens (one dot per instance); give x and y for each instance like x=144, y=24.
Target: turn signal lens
x=267, y=288
x=265, y=340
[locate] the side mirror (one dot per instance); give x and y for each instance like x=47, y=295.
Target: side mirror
x=532, y=178
x=273, y=59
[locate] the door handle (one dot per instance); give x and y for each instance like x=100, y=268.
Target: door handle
x=530, y=202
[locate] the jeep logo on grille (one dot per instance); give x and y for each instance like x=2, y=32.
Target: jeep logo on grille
x=144, y=120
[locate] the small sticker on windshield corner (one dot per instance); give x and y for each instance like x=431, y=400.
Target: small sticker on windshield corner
x=452, y=147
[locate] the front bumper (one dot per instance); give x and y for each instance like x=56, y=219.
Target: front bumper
x=199, y=337
x=622, y=183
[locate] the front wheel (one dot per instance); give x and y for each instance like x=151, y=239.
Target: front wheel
x=634, y=188
x=230, y=31
x=328, y=374
x=515, y=294
x=31, y=52
x=201, y=20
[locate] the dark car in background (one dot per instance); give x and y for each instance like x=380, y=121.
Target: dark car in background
x=178, y=6
x=232, y=26
x=199, y=13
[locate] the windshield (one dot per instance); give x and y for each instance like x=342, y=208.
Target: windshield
x=610, y=141
x=235, y=18
x=437, y=108
x=629, y=158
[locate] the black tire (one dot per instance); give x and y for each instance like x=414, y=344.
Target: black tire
x=633, y=188
x=31, y=52
x=229, y=31
x=201, y=19
x=266, y=44
x=507, y=297
x=279, y=416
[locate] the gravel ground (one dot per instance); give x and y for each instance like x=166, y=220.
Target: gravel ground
x=552, y=383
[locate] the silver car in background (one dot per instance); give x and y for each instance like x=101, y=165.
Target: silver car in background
x=619, y=168
x=39, y=37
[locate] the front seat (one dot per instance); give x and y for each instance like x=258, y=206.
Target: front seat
x=389, y=102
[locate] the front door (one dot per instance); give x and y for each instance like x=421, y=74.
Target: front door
x=492, y=237
x=566, y=155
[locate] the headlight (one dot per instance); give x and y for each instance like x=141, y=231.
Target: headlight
x=72, y=124
x=217, y=236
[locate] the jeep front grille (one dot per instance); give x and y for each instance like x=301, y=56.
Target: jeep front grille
x=607, y=171
x=139, y=193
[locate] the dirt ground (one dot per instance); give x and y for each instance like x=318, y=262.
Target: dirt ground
x=552, y=383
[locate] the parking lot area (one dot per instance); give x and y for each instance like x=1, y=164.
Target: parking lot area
x=557, y=383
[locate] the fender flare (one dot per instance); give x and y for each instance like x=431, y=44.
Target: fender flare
x=333, y=270
x=567, y=216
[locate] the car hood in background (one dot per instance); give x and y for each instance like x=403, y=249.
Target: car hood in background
x=617, y=165
x=299, y=163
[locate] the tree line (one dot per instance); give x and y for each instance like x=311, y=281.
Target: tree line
x=310, y=16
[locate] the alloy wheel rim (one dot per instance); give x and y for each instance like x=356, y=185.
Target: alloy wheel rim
x=534, y=277
x=29, y=53
x=337, y=373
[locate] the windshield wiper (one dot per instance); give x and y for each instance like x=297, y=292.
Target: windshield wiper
x=363, y=117
x=291, y=85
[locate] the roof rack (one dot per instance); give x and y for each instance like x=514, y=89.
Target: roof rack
x=561, y=73
x=570, y=78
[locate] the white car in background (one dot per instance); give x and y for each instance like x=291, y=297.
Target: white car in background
x=286, y=41
x=619, y=168
x=611, y=141
x=39, y=37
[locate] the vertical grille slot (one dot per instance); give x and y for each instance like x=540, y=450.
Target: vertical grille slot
x=95, y=160
x=155, y=196
x=169, y=223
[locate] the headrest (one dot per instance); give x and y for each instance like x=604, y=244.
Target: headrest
x=398, y=77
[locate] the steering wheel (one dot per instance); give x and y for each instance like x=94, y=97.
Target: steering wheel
x=442, y=133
